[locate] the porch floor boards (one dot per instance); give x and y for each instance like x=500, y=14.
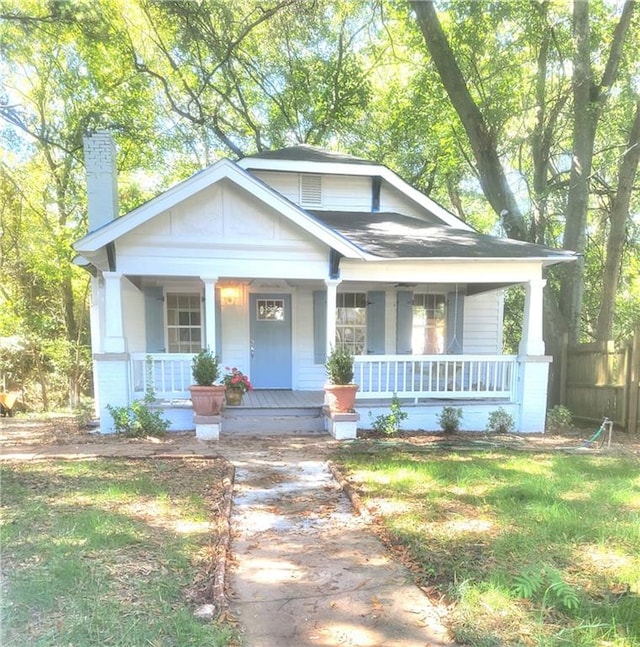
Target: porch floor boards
x=286, y=399
x=281, y=399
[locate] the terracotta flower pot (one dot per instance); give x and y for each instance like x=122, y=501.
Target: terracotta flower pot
x=207, y=400
x=341, y=397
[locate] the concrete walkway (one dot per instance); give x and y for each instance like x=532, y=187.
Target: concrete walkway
x=305, y=570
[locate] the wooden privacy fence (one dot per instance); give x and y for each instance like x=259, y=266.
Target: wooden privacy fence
x=598, y=380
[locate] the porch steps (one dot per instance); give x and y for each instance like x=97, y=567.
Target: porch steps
x=269, y=421
x=272, y=412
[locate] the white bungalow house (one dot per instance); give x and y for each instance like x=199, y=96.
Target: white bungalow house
x=272, y=260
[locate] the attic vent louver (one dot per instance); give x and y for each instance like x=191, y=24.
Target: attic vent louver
x=310, y=190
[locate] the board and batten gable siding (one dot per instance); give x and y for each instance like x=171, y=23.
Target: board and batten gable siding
x=222, y=231
x=483, y=323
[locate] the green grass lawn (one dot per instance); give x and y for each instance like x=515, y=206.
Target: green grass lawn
x=530, y=549
x=108, y=552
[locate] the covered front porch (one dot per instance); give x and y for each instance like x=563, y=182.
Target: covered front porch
x=146, y=314
x=478, y=384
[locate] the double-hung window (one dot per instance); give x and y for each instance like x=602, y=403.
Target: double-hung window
x=428, y=329
x=184, y=323
x=351, y=322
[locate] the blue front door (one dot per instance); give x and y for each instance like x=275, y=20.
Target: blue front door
x=270, y=341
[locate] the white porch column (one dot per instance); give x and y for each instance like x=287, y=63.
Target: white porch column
x=533, y=366
x=209, y=341
x=532, y=342
x=111, y=369
x=114, y=341
x=95, y=320
x=532, y=393
x=332, y=290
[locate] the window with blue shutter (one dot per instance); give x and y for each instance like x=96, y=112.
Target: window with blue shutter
x=154, y=319
x=404, y=322
x=319, y=326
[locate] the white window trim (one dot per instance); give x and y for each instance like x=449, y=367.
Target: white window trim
x=167, y=325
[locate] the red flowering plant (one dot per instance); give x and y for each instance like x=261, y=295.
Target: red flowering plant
x=234, y=378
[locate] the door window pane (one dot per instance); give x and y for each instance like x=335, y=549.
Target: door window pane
x=270, y=310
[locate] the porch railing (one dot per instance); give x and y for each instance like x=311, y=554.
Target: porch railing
x=379, y=376
x=168, y=374
x=443, y=376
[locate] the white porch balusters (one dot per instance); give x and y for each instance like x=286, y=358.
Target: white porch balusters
x=209, y=339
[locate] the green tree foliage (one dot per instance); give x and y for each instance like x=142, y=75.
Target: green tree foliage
x=492, y=104
x=255, y=76
x=543, y=92
x=61, y=78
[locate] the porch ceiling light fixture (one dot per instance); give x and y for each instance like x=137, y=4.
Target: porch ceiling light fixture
x=230, y=294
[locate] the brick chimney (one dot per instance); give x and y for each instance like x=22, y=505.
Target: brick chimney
x=102, y=178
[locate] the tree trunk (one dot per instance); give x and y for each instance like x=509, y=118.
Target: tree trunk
x=615, y=241
x=482, y=140
x=589, y=101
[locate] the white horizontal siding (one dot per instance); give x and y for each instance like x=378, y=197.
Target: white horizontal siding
x=234, y=331
x=346, y=193
x=306, y=374
x=395, y=201
x=339, y=192
x=285, y=183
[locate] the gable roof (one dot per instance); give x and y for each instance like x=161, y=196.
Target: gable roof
x=309, y=159
x=307, y=153
x=363, y=235
x=224, y=169
x=395, y=236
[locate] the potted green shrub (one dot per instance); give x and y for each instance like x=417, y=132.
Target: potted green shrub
x=206, y=396
x=340, y=390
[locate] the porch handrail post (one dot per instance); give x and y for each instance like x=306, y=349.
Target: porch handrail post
x=532, y=342
x=114, y=341
x=332, y=291
x=209, y=341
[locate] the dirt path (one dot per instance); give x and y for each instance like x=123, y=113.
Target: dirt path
x=307, y=571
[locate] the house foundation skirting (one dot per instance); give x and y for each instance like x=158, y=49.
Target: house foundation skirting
x=424, y=416
x=421, y=416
